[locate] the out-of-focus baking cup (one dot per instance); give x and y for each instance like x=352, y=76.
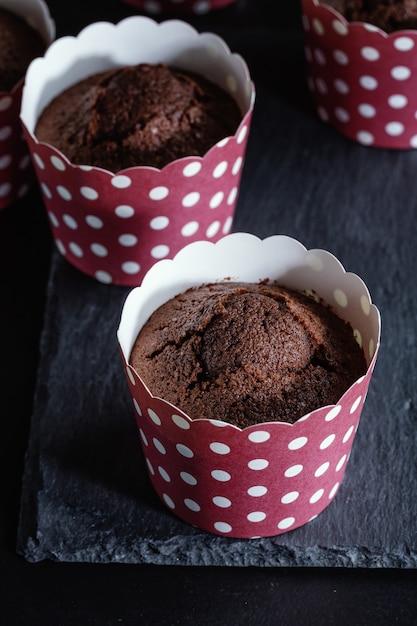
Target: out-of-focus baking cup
x=115, y=226
x=173, y=7
x=16, y=171
x=363, y=81
x=266, y=479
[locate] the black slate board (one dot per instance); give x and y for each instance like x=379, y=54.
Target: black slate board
x=86, y=495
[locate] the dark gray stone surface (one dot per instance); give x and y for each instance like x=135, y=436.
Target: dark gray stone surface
x=86, y=495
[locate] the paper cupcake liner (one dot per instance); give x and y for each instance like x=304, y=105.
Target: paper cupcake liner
x=363, y=81
x=266, y=479
x=180, y=7
x=115, y=226
x=16, y=171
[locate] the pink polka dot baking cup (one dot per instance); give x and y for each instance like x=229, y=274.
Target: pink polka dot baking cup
x=198, y=7
x=266, y=479
x=16, y=171
x=363, y=81
x=115, y=226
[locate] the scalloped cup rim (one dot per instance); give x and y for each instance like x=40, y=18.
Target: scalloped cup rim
x=149, y=286
x=361, y=24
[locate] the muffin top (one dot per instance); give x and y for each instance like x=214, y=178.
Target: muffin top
x=389, y=15
x=247, y=353
x=19, y=45
x=138, y=115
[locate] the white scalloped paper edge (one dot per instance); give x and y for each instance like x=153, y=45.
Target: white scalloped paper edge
x=245, y=257
x=36, y=13
x=136, y=39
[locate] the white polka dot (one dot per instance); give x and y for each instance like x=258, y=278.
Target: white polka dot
x=154, y=417
x=370, y=54
x=321, y=86
x=190, y=229
x=341, y=463
x=371, y=347
x=164, y=474
x=131, y=267
x=152, y=7
x=227, y=226
x=223, y=503
x=143, y=437
x=185, y=451
x=58, y=163
x=159, y=223
x=121, y=182
x=319, y=56
x=322, y=469
x=365, y=305
x=5, y=189
x=394, y=129
x=221, y=476
x=76, y=249
x=259, y=436
x=366, y=138
x=192, y=169
x=99, y=250
x=298, y=443
x=341, y=86
x=323, y=114
x=222, y=527
x=342, y=115
x=258, y=464
x=327, y=442
x=192, y=505
x=188, y=478
x=38, y=161
x=220, y=169
x=333, y=491
x=124, y=211
x=348, y=434
x=237, y=166
x=358, y=336
x=135, y=404
x=242, y=134
x=24, y=162
x=286, y=523
x=368, y=82
x=5, y=103
x=256, y=516
x=294, y=470
x=64, y=193
x=127, y=240
x=216, y=200
x=367, y=110
x=60, y=246
x=340, y=57
x=159, y=446
x=159, y=193
x=5, y=133
x=340, y=28
x=168, y=501
x=212, y=230
x=70, y=221
x=103, y=277
x=191, y=199
x=413, y=141
x=317, y=26
x=290, y=497
x=5, y=161
x=180, y=421
x=94, y=222
x=401, y=72
x=333, y=413
x=397, y=101
x=403, y=44
x=355, y=405
x=316, y=496
x=340, y=297
x=89, y=193
x=133, y=381
x=232, y=196
x=257, y=491
x=160, y=252
x=219, y=448
x=150, y=468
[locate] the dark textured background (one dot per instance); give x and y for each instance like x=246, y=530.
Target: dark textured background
x=85, y=493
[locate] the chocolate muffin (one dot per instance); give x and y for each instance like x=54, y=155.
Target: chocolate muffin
x=247, y=353
x=389, y=15
x=19, y=45
x=139, y=115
